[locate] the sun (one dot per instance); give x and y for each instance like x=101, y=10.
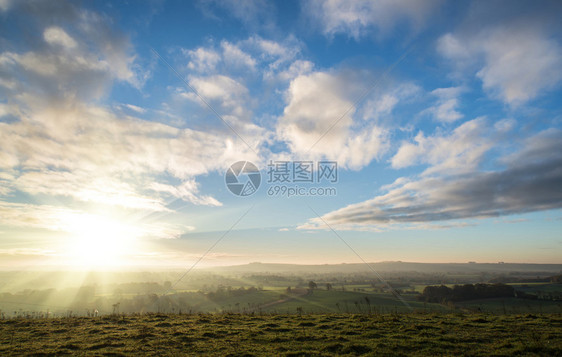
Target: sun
x=98, y=241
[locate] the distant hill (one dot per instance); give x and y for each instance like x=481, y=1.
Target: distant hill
x=464, y=268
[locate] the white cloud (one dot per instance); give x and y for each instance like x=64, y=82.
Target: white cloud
x=231, y=99
x=317, y=122
x=57, y=36
x=233, y=55
x=219, y=87
x=445, y=110
x=385, y=101
x=505, y=125
x=135, y=108
x=275, y=54
x=62, y=145
x=450, y=46
x=296, y=69
x=187, y=192
x=92, y=155
x=202, y=60
x=274, y=60
x=461, y=151
x=516, y=62
x=357, y=18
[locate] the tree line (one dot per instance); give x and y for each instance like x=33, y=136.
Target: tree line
x=444, y=294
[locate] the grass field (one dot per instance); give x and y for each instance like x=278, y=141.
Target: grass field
x=289, y=335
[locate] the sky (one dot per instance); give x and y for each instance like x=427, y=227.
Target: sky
x=423, y=131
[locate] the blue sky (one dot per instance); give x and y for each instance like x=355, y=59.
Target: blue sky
x=119, y=120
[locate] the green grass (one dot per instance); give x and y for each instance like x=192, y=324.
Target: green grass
x=288, y=335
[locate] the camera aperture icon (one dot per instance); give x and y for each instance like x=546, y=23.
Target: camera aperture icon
x=243, y=178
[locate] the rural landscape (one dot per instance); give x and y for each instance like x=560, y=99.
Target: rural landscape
x=417, y=309
x=280, y=178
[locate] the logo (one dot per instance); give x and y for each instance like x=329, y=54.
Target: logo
x=242, y=178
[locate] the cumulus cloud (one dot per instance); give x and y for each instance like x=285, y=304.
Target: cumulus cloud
x=318, y=122
x=515, y=62
x=529, y=182
x=358, y=18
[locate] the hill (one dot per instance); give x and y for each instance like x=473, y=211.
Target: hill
x=463, y=268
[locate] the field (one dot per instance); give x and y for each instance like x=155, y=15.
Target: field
x=289, y=335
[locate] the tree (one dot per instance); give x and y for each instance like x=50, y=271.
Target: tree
x=328, y=286
x=312, y=285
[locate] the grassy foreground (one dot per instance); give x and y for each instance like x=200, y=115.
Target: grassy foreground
x=290, y=335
